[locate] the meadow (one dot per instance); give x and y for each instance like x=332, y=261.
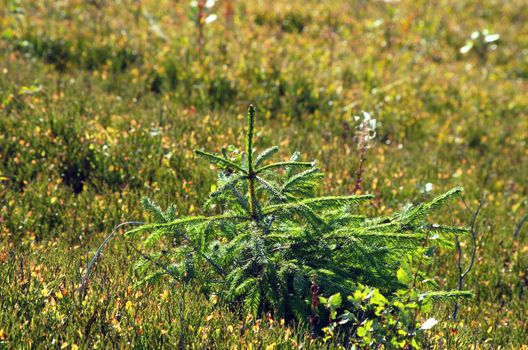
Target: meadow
x=103, y=102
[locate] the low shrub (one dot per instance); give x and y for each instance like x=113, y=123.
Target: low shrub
x=273, y=246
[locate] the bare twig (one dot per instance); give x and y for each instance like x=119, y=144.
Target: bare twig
x=148, y=258
x=519, y=226
x=462, y=273
x=197, y=250
x=181, y=304
x=200, y=23
x=359, y=170
x=515, y=248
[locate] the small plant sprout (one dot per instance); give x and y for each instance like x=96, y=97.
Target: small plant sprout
x=364, y=136
x=481, y=42
x=201, y=16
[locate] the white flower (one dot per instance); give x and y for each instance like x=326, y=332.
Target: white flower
x=491, y=38
x=366, y=128
x=430, y=323
x=366, y=116
x=211, y=18
x=428, y=187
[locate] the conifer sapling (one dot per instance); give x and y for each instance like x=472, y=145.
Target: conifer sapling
x=274, y=236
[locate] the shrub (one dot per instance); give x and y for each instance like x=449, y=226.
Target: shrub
x=63, y=53
x=371, y=319
x=273, y=245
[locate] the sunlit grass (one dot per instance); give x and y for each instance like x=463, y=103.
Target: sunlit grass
x=97, y=110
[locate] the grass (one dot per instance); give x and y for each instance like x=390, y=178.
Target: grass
x=97, y=110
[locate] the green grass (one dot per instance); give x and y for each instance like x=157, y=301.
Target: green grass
x=97, y=111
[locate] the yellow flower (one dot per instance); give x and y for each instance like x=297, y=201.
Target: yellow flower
x=115, y=323
x=129, y=306
x=271, y=346
x=214, y=298
x=230, y=329
x=3, y=334
x=165, y=295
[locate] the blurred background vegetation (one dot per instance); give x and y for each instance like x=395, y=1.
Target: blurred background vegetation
x=102, y=102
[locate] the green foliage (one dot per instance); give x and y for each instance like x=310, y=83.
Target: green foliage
x=290, y=22
x=64, y=54
x=369, y=319
x=83, y=137
x=274, y=236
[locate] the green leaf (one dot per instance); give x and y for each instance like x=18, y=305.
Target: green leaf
x=153, y=209
x=327, y=203
x=439, y=201
x=185, y=222
x=377, y=298
x=229, y=183
x=270, y=188
x=223, y=163
x=361, y=332
x=285, y=164
x=252, y=301
x=444, y=296
x=335, y=301
x=265, y=155
x=403, y=276
x=245, y=286
x=302, y=176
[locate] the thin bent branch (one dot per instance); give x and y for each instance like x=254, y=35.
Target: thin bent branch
x=211, y=262
x=82, y=289
x=519, y=226
x=461, y=272
x=148, y=258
